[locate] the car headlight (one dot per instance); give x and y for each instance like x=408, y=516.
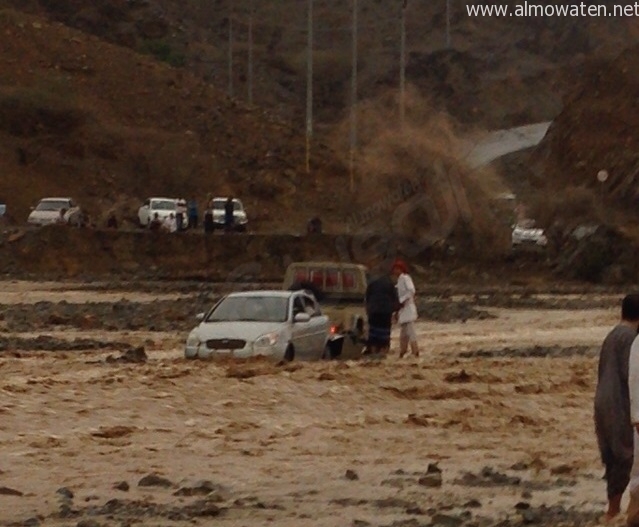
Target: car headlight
x=266, y=341
x=193, y=340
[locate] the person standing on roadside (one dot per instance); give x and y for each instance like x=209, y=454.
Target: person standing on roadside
x=229, y=219
x=612, y=404
x=407, y=313
x=191, y=213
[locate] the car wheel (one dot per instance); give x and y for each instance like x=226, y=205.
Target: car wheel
x=289, y=355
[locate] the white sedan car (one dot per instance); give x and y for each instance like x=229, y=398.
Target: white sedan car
x=528, y=235
x=283, y=325
x=48, y=211
x=163, y=207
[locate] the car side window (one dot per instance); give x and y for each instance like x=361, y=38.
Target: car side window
x=298, y=306
x=311, y=306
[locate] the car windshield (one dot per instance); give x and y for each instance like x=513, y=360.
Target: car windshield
x=250, y=308
x=165, y=204
x=218, y=204
x=50, y=205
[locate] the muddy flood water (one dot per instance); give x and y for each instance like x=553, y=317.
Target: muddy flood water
x=491, y=426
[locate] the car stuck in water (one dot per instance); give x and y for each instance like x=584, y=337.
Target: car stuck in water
x=282, y=325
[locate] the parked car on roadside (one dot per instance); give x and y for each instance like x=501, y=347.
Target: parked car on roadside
x=240, y=220
x=526, y=234
x=282, y=325
x=3, y=209
x=162, y=206
x=48, y=210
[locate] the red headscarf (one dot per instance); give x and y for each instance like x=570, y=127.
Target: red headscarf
x=401, y=265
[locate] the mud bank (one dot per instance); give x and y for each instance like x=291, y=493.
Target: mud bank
x=61, y=252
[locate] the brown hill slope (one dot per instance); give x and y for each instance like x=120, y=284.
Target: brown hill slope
x=599, y=131
x=500, y=71
x=83, y=117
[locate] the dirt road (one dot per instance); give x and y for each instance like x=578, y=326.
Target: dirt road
x=500, y=405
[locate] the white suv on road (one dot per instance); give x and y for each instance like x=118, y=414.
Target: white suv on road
x=163, y=207
x=239, y=214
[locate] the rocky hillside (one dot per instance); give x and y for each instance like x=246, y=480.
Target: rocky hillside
x=83, y=117
x=597, y=133
x=498, y=72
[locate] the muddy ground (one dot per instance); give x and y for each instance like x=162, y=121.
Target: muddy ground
x=104, y=423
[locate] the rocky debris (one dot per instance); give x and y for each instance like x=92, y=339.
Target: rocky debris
x=122, y=315
x=88, y=523
x=131, y=511
x=65, y=492
x=113, y=432
x=122, y=485
x=154, y=480
x=47, y=343
x=554, y=352
x=393, y=503
x=130, y=356
x=349, y=502
x=8, y=491
x=488, y=477
x=326, y=376
x=446, y=311
x=351, y=475
x=458, y=377
x=432, y=478
x=446, y=520
x=203, y=488
x=603, y=255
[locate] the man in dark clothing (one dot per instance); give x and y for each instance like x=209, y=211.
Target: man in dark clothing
x=228, y=214
x=209, y=226
x=381, y=302
x=155, y=224
x=192, y=214
x=612, y=404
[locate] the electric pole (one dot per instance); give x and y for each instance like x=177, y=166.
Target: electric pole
x=250, y=54
x=353, y=145
x=402, y=67
x=231, y=50
x=309, y=87
x=447, y=24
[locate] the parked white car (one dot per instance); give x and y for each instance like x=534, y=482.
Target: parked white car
x=525, y=233
x=282, y=325
x=239, y=214
x=47, y=212
x=162, y=206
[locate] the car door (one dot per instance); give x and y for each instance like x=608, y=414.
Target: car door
x=318, y=330
x=300, y=331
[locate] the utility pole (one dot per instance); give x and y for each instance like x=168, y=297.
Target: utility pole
x=447, y=24
x=402, y=67
x=353, y=145
x=250, y=54
x=309, y=87
x=231, y=49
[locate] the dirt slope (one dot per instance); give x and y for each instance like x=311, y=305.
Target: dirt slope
x=597, y=131
x=500, y=72
x=83, y=117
